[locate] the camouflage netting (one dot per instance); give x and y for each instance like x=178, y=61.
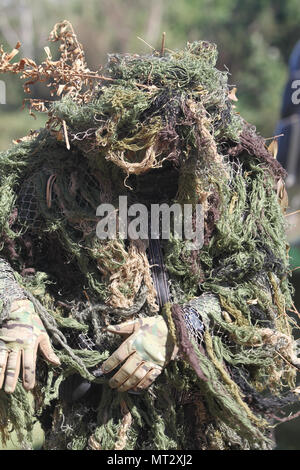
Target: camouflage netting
x=157, y=128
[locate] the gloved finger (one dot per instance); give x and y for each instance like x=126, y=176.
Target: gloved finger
x=149, y=378
x=3, y=362
x=29, y=365
x=47, y=350
x=6, y=339
x=127, y=369
x=12, y=371
x=126, y=328
x=135, y=378
x=22, y=305
x=117, y=357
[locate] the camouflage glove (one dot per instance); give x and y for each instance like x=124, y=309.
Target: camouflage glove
x=20, y=336
x=147, y=350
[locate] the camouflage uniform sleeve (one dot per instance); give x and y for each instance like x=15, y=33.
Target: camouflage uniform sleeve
x=10, y=290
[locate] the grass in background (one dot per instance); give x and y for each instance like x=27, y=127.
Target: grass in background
x=16, y=124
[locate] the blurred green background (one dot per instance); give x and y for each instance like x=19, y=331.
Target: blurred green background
x=254, y=38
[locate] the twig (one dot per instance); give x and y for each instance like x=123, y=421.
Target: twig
x=163, y=40
x=292, y=213
x=87, y=297
x=66, y=134
x=274, y=137
x=288, y=418
x=295, y=310
x=153, y=48
x=287, y=361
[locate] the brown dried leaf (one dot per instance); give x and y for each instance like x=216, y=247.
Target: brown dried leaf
x=232, y=94
x=273, y=148
x=48, y=52
x=69, y=75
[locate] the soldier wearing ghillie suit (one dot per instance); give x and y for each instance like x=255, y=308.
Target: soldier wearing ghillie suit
x=142, y=344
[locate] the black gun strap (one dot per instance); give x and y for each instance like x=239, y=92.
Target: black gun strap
x=159, y=272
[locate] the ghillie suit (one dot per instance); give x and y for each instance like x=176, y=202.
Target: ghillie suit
x=157, y=128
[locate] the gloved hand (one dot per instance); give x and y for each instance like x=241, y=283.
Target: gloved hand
x=148, y=348
x=20, y=337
